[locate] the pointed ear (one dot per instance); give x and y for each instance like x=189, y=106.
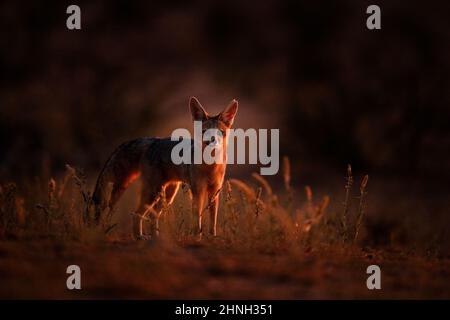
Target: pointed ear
x=197, y=111
x=227, y=115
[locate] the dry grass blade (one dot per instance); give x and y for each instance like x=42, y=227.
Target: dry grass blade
x=287, y=173
x=348, y=188
x=229, y=194
x=152, y=212
x=69, y=174
x=309, y=201
x=264, y=183
x=322, y=207
x=110, y=228
x=80, y=181
x=212, y=199
x=364, y=183
x=259, y=204
x=362, y=205
x=51, y=190
x=309, y=194
x=141, y=216
x=244, y=188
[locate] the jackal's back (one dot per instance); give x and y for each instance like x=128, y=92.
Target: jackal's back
x=120, y=169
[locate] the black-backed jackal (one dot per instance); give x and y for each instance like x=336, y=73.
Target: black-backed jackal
x=150, y=159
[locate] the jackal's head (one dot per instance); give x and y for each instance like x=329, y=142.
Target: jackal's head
x=214, y=127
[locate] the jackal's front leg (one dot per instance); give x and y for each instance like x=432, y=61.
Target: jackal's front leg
x=213, y=210
x=197, y=210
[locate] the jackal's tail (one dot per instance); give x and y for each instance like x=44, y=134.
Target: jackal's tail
x=121, y=169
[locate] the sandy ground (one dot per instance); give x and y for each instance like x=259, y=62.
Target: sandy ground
x=211, y=270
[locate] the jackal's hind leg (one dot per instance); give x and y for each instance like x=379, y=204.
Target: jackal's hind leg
x=171, y=191
x=151, y=207
x=149, y=197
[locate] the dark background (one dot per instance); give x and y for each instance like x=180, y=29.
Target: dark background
x=339, y=92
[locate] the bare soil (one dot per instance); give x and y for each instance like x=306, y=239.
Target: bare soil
x=212, y=270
